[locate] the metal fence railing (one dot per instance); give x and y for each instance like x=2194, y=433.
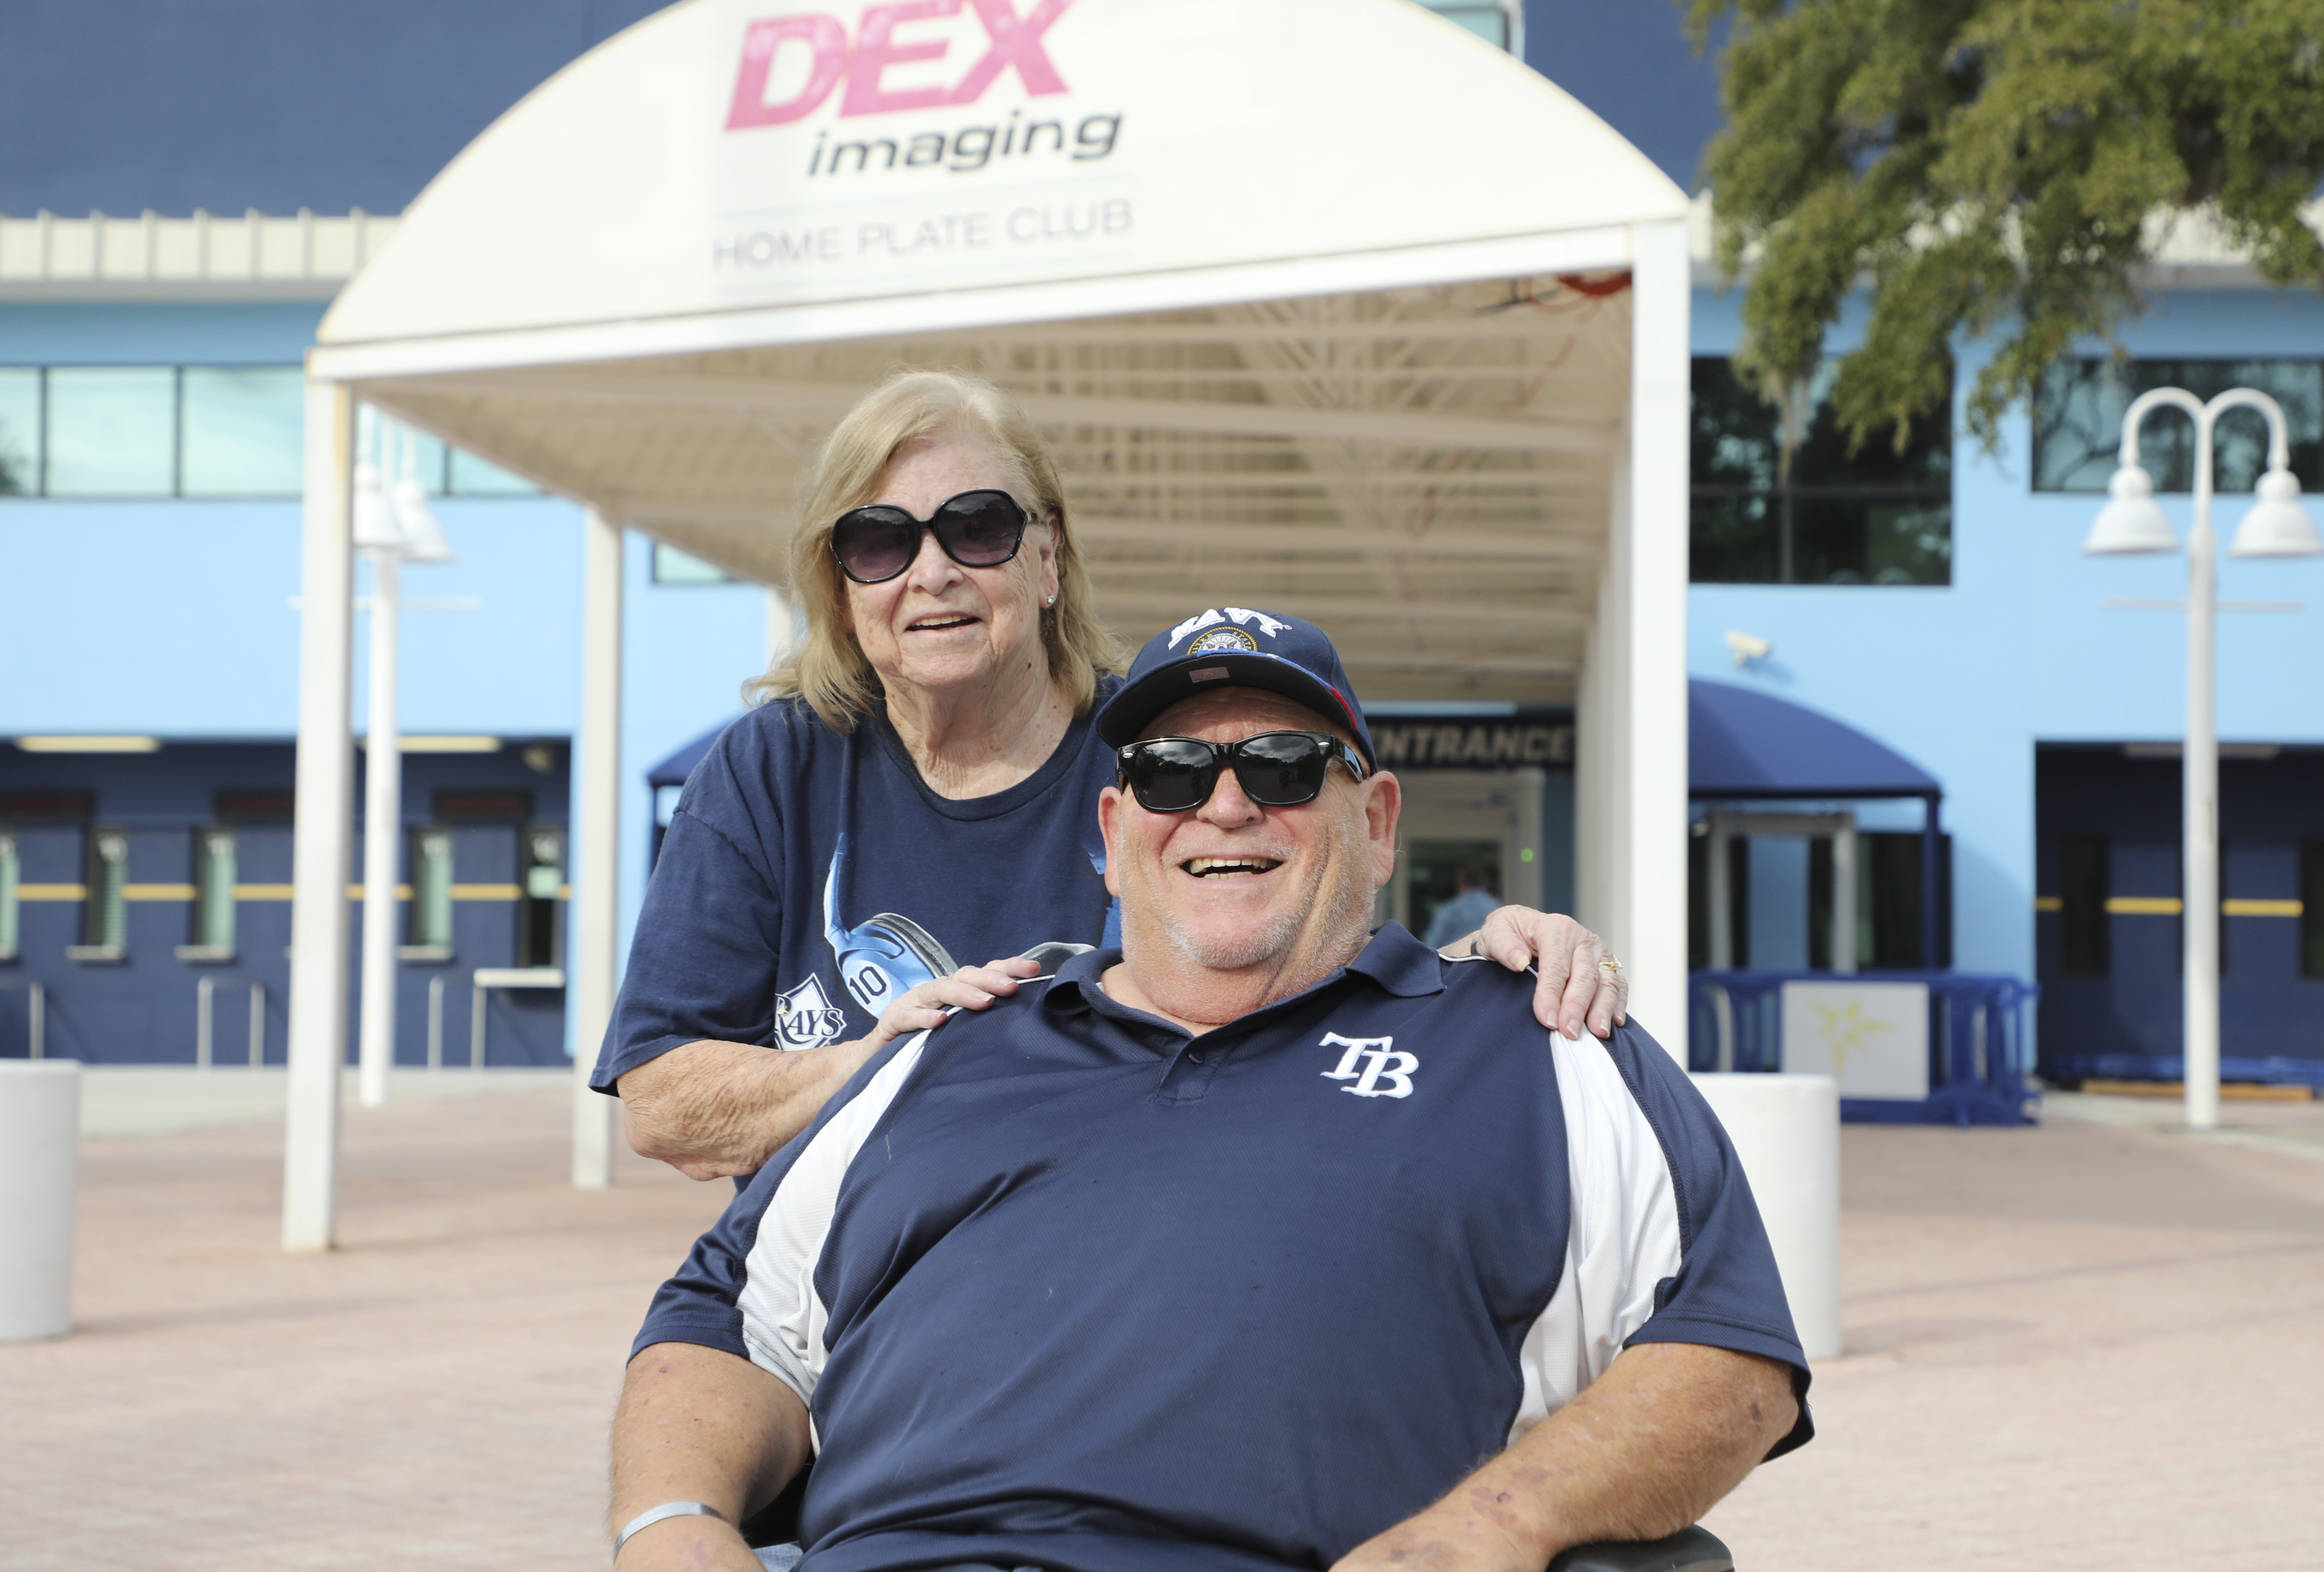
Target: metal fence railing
x=1979, y=1041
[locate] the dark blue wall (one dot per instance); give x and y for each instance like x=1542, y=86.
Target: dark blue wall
x=173, y=105
x=278, y=104
x=2128, y=1023
x=1630, y=62
x=140, y=1009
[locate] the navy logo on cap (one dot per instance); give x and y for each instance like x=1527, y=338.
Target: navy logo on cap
x=1271, y=626
x=1219, y=639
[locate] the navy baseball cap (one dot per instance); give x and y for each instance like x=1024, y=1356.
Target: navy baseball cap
x=1234, y=647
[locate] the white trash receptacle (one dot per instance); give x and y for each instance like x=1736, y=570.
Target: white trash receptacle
x=40, y=1161
x=1786, y=1130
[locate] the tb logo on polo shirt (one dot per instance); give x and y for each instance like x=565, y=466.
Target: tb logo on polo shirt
x=1386, y=1070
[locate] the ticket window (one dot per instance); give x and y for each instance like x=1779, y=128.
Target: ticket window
x=1453, y=819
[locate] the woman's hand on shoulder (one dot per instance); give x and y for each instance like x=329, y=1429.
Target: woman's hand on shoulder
x=925, y=1007
x=1580, y=984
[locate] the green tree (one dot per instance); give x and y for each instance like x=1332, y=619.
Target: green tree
x=1997, y=167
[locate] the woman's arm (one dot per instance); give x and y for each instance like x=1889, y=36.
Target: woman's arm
x=715, y=1110
x=1578, y=984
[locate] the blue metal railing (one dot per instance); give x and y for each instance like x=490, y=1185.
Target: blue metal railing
x=1980, y=1041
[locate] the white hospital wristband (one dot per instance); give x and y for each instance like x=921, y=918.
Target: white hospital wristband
x=669, y=1509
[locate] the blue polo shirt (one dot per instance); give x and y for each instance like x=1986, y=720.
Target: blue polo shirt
x=1070, y=1289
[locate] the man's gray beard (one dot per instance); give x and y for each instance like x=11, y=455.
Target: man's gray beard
x=1347, y=906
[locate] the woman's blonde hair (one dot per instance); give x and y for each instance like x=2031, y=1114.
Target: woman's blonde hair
x=829, y=669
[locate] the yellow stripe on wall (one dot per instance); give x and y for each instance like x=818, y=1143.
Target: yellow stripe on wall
x=282, y=891
x=2144, y=906
x=52, y=892
x=157, y=891
x=2261, y=908
x=2049, y=903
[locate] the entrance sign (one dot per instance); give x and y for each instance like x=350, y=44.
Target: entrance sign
x=1872, y=1038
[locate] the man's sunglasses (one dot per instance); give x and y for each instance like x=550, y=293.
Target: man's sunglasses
x=976, y=529
x=1274, y=768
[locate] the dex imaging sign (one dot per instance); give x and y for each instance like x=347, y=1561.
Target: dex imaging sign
x=827, y=55
x=910, y=105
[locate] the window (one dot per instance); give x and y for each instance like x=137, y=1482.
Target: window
x=11, y=872
x=1877, y=516
x=431, y=888
x=672, y=566
x=105, y=912
x=109, y=430
x=2312, y=909
x=239, y=431
x=19, y=431
x=2082, y=889
x=2078, y=422
x=543, y=884
x=196, y=432
x=214, y=881
x=1499, y=24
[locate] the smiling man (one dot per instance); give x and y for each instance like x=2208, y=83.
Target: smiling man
x=1236, y=1248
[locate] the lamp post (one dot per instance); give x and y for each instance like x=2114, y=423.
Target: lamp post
x=2278, y=525
x=391, y=527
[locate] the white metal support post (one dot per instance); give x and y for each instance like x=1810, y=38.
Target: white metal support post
x=597, y=849
x=2277, y=526
x=1650, y=907
x=382, y=837
x=323, y=825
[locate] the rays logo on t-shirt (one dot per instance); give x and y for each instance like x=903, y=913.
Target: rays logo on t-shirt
x=804, y=1017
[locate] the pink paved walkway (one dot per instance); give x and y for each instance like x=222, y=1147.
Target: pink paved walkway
x=2080, y=1347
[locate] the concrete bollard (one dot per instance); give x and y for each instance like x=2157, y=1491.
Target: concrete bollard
x=1786, y=1130
x=40, y=1161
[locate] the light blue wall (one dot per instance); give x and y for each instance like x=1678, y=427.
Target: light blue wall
x=1966, y=678
x=174, y=618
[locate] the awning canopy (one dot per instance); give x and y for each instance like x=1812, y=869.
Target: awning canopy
x=1742, y=744
x=674, y=770
x=1323, y=303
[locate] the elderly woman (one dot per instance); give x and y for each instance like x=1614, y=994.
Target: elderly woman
x=922, y=784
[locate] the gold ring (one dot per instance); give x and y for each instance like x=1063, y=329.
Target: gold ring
x=1611, y=966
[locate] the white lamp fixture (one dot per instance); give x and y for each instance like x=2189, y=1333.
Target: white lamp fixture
x=2131, y=521
x=376, y=528
x=423, y=537
x=2279, y=524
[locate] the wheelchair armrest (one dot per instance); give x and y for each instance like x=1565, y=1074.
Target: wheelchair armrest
x=1694, y=1549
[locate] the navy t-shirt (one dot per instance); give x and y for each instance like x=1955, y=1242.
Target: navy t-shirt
x=1077, y=1291
x=810, y=878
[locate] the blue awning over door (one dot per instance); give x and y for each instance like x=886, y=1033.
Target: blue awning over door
x=1744, y=743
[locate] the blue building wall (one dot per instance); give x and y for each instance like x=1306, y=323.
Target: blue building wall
x=1966, y=677
x=175, y=619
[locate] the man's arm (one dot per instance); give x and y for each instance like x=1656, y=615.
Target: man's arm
x=1642, y=1452
x=699, y=1424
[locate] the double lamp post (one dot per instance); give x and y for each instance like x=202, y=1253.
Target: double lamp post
x=2278, y=525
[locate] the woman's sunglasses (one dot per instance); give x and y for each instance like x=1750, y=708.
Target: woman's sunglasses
x=976, y=529
x=1274, y=768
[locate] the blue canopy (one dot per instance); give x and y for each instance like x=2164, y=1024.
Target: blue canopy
x=674, y=770
x=1742, y=743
